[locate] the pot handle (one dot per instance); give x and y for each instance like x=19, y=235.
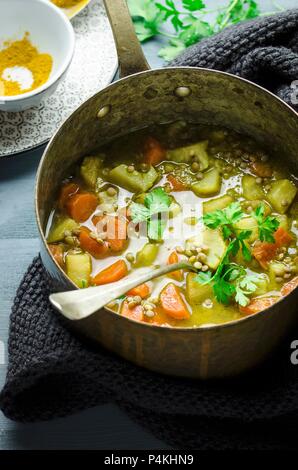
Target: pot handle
x=130, y=53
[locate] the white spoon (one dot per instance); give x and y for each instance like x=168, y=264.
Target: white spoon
x=81, y=303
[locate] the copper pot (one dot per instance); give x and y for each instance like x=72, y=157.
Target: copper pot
x=139, y=99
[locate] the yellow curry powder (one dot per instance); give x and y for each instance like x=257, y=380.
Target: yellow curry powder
x=22, y=53
x=66, y=3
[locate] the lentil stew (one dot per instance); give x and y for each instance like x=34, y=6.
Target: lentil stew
x=175, y=192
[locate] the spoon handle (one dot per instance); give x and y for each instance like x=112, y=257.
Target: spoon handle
x=80, y=303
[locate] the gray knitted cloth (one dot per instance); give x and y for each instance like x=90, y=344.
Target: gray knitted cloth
x=264, y=51
x=53, y=373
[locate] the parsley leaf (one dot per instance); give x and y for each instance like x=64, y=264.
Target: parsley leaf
x=246, y=286
x=204, y=278
x=267, y=225
x=236, y=11
x=147, y=18
x=193, y=5
x=188, y=20
x=170, y=11
x=223, y=290
x=224, y=218
x=230, y=280
x=156, y=203
x=139, y=213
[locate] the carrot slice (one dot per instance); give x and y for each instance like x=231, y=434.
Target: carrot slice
x=90, y=245
x=289, y=286
x=261, y=169
x=80, y=206
x=265, y=252
x=135, y=313
x=57, y=253
x=282, y=237
x=112, y=273
x=173, y=303
x=176, y=184
x=257, y=305
x=143, y=290
x=68, y=190
x=115, y=228
x=117, y=233
x=174, y=258
x=154, y=152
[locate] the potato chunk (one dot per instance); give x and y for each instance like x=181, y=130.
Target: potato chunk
x=134, y=181
x=281, y=195
x=90, y=169
x=248, y=223
x=147, y=255
x=59, y=227
x=185, y=154
x=215, y=242
x=78, y=268
x=209, y=185
x=251, y=189
x=218, y=203
x=196, y=293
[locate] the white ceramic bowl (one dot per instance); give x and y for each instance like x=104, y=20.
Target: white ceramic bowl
x=50, y=31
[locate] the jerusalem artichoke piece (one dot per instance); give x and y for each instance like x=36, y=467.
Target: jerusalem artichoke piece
x=78, y=268
x=90, y=170
x=209, y=185
x=213, y=239
x=281, y=195
x=134, y=181
x=251, y=190
x=59, y=226
x=186, y=154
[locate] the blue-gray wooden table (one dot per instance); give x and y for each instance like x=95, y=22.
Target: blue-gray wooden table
x=102, y=427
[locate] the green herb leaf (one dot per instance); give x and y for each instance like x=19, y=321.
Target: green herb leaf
x=139, y=213
x=236, y=11
x=156, y=227
x=147, y=18
x=169, y=53
x=225, y=217
x=188, y=20
x=170, y=11
x=193, y=5
x=223, y=291
x=246, y=251
x=156, y=203
x=246, y=286
x=203, y=278
x=267, y=225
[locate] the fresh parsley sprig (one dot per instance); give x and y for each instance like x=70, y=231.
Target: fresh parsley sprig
x=266, y=225
x=188, y=21
x=245, y=286
x=156, y=203
x=231, y=280
x=225, y=220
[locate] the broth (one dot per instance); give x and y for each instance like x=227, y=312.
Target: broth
x=177, y=192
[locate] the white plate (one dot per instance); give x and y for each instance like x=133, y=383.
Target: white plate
x=94, y=66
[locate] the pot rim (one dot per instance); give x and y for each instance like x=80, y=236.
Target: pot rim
x=194, y=329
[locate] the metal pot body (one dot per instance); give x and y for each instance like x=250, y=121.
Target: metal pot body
x=156, y=97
